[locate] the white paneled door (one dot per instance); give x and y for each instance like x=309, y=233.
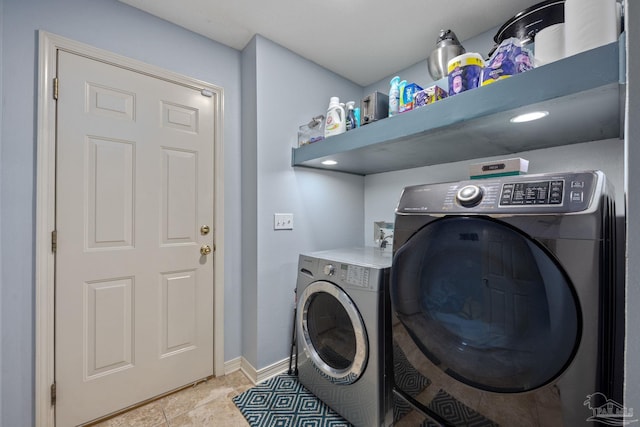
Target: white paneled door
x=134, y=282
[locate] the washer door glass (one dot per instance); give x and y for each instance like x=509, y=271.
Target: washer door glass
x=333, y=331
x=486, y=303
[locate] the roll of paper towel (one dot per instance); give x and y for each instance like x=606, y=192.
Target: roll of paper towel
x=618, y=18
x=549, y=44
x=589, y=24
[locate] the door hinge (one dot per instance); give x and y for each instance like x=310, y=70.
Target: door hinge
x=55, y=88
x=54, y=241
x=53, y=394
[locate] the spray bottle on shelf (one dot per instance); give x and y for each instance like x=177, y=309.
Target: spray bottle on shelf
x=351, y=115
x=336, y=120
x=401, y=86
x=394, y=96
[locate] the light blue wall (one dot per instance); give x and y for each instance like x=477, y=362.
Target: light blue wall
x=249, y=216
x=270, y=91
x=114, y=26
x=382, y=191
x=328, y=207
x=419, y=72
x=2, y=36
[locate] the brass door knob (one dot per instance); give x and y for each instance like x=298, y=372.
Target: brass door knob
x=205, y=249
x=204, y=230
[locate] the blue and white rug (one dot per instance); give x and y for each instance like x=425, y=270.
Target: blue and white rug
x=283, y=402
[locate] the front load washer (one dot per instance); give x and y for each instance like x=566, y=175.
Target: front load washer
x=343, y=332
x=503, y=293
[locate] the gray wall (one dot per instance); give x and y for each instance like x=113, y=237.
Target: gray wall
x=328, y=207
x=110, y=25
x=632, y=146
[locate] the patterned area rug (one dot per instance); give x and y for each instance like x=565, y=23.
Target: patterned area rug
x=283, y=402
x=413, y=383
x=456, y=412
x=408, y=379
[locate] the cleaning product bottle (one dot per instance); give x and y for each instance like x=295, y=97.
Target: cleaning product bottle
x=351, y=115
x=336, y=120
x=401, y=87
x=394, y=96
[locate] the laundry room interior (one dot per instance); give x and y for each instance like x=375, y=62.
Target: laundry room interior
x=267, y=91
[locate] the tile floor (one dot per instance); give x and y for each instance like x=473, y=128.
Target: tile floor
x=203, y=405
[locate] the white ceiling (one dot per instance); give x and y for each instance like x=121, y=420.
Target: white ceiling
x=362, y=40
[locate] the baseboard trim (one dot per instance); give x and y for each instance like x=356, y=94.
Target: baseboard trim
x=232, y=365
x=256, y=375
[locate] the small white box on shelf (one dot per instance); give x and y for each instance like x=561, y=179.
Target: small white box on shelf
x=507, y=167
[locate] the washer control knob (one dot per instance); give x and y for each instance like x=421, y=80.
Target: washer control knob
x=469, y=195
x=329, y=270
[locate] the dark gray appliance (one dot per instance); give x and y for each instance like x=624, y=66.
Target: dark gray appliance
x=343, y=332
x=503, y=295
x=374, y=107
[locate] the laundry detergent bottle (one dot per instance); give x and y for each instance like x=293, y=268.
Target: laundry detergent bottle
x=336, y=120
x=394, y=96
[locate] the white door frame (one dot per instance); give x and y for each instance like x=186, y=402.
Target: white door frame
x=45, y=207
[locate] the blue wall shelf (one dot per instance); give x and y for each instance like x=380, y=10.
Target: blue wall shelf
x=582, y=94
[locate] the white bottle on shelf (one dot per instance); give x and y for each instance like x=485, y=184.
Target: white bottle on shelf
x=336, y=121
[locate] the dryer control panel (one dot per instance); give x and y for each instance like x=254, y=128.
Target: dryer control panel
x=553, y=193
x=533, y=193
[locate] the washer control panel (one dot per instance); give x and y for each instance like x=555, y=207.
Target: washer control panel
x=554, y=193
x=355, y=275
x=329, y=269
x=347, y=274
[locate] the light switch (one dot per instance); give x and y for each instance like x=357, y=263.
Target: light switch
x=283, y=221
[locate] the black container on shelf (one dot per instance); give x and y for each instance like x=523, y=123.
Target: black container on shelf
x=527, y=23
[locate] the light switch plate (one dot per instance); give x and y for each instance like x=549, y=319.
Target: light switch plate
x=283, y=221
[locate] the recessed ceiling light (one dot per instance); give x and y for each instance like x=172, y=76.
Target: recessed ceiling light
x=529, y=117
x=329, y=162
